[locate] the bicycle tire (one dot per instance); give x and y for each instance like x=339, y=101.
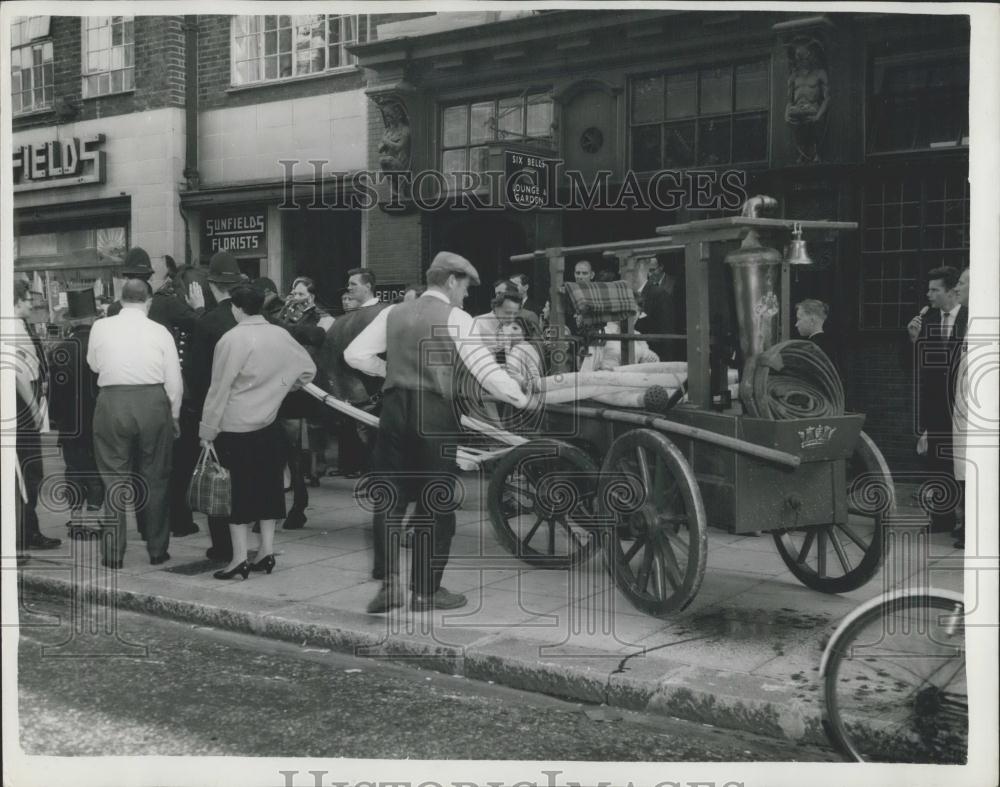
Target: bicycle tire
x=886, y=702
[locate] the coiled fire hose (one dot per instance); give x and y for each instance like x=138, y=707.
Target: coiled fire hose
x=793, y=379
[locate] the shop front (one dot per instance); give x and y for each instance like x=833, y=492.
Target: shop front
x=84, y=193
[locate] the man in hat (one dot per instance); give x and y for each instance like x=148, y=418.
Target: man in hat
x=31, y=382
x=74, y=398
x=172, y=309
x=429, y=342
x=136, y=418
x=223, y=276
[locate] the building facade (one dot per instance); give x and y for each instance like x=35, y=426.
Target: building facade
x=847, y=117
x=187, y=134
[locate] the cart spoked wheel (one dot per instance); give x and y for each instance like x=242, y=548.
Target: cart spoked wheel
x=655, y=534
x=542, y=503
x=837, y=558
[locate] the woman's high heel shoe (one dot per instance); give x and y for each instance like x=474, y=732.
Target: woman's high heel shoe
x=265, y=564
x=243, y=569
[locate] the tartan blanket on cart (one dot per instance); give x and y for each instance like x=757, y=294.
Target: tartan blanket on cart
x=600, y=302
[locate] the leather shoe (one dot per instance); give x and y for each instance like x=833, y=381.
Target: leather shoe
x=112, y=563
x=442, y=599
x=155, y=561
x=215, y=554
x=188, y=529
x=295, y=520
x=38, y=541
x=389, y=596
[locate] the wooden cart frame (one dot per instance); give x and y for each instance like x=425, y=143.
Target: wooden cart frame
x=642, y=487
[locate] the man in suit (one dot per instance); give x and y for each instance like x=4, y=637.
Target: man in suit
x=657, y=317
x=223, y=275
x=810, y=317
x=937, y=334
x=355, y=441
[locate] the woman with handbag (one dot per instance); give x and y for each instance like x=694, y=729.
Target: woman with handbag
x=256, y=365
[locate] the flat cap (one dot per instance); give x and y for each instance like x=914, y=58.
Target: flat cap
x=454, y=263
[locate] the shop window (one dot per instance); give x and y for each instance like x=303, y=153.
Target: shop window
x=919, y=102
x=910, y=224
x=108, y=55
x=467, y=130
x=708, y=117
x=31, y=79
x=269, y=48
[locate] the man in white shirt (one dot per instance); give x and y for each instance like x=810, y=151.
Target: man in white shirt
x=428, y=341
x=136, y=419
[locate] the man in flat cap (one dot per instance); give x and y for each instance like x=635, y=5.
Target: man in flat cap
x=427, y=342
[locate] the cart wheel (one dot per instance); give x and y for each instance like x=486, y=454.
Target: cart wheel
x=656, y=545
x=838, y=558
x=542, y=502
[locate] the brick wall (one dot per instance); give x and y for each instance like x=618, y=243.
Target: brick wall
x=159, y=72
x=214, y=79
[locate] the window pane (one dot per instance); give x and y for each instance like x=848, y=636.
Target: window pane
x=104, y=83
x=129, y=32
x=117, y=35
x=270, y=43
x=285, y=65
x=678, y=145
x=47, y=51
x=647, y=100
x=271, y=67
x=116, y=81
x=713, y=141
x=750, y=138
x=716, y=91
x=117, y=57
x=454, y=161
x=646, y=154
x=129, y=78
x=455, y=121
x=479, y=159
x=511, y=118
x=682, y=97
x=539, y=116
x=335, y=58
x=483, y=125
x=751, y=86
x=285, y=41
x=284, y=21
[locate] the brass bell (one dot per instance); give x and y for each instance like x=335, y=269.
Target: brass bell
x=797, y=254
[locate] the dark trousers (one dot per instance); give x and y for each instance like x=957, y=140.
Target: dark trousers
x=29, y=458
x=296, y=463
x=133, y=442
x=353, y=456
x=82, y=475
x=185, y=457
x=415, y=430
x=940, y=464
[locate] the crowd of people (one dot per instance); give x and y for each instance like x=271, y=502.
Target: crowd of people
x=211, y=361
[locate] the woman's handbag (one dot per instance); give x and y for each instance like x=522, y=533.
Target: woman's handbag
x=211, y=490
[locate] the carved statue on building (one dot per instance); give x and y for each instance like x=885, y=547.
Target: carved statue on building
x=808, y=96
x=394, y=149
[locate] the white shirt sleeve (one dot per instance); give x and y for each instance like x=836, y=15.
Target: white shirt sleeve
x=362, y=353
x=172, y=382
x=93, y=343
x=480, y=362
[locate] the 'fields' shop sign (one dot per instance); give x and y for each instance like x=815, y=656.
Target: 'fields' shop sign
x=244, y=232
x=61, y=162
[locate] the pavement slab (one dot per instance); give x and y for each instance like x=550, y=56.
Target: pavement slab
x=744, y=654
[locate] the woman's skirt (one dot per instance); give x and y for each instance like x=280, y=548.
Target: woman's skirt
x=256, y=463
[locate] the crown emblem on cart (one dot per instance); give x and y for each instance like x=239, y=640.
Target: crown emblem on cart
x=813, y=436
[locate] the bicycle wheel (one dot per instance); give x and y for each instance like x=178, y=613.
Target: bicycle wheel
x=894, y=681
